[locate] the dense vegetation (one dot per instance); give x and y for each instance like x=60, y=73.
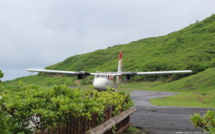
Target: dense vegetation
x=29, y=108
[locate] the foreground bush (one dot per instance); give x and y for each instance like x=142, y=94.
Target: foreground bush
x=207, y=123
x=33, y=108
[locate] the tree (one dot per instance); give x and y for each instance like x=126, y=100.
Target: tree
x=1, y=74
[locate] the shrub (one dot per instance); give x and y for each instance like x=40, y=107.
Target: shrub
x=207, y=123
x=34, y=108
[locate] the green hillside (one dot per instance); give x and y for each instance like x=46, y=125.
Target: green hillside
x=195, y=91
x=203, y=82
x=191, y=48
x=44, y=80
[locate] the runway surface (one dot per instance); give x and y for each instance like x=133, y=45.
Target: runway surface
x=163, y=119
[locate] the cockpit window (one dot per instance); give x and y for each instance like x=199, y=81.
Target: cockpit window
x=104, y=76
x=97, y=76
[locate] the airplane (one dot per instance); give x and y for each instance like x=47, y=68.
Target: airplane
x=104, y=80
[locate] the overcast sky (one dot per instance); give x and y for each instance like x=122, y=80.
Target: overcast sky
x=39, y=33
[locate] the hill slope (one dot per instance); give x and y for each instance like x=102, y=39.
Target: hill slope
x=195, y=91
x=190, y=48
x=202, y=82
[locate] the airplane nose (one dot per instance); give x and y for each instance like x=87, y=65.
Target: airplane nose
x=99, y=83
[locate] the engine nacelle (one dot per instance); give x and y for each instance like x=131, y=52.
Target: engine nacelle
x=128, y=77
x=82, y=74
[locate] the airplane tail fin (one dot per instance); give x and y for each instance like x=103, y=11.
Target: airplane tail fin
x=120, y=63
x=119, y=78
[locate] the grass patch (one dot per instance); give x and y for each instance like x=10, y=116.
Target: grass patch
x=194, y=91
x=186, y=99
x=145, y=85
x=44, y=80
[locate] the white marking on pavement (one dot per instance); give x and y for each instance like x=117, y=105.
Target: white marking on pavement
x=143, y=94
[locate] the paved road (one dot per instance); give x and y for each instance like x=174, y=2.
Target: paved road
x=162, y=119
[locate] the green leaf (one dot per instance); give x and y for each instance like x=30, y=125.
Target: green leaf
x=196, y=120
x=209, y=115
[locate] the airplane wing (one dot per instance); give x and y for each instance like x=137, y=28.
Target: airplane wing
x=114, y=74
x=51, y=71
x=83, y=74
x=151, y=73
x=79, y=74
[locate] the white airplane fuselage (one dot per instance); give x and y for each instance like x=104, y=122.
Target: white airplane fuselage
x=103, y=81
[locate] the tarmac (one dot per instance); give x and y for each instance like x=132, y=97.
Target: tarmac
x=163, y=119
